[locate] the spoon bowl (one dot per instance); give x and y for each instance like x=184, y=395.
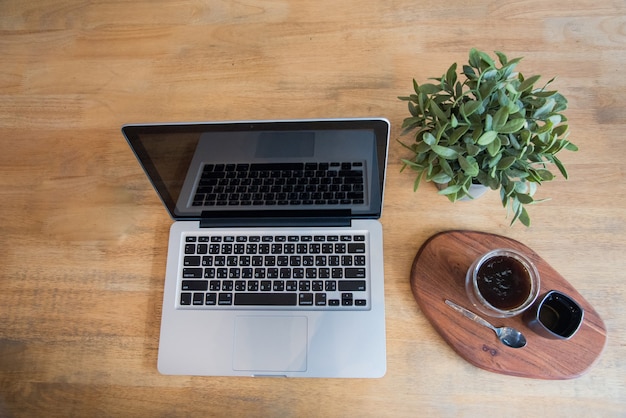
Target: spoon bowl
x=507, y=335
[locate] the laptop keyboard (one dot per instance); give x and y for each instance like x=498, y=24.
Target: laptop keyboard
x=269, y=184
x=222, y=271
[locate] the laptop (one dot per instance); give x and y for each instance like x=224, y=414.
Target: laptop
x=275, y=257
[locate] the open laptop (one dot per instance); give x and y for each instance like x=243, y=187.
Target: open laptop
x=275, y=258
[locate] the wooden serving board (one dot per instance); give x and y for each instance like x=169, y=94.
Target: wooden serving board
x=438, y=273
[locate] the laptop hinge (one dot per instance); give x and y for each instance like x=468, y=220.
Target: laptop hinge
x=278, y=218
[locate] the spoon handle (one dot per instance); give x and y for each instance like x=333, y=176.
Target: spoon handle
x=469, y=314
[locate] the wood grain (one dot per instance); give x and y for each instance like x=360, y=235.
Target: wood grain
x=83, y=236
x=438, y=273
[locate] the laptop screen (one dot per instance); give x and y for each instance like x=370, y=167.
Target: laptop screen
x=320, y=166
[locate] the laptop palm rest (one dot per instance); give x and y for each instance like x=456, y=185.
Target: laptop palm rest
x=270, y=344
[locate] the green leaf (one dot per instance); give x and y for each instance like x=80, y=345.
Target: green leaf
x=416, y=86
x=512, y=126
x=445, y=166
x=490, y=75
x=487, y=138
x=429, y=139
x=421, y=148
x=503, y=197
x=545, y=175
x=508, y=69
x=524, y=198
x=469, y=72
x=454, y=122
x=421, y=100
x=488, y=122
x=506, y=162
x=469, y=165
x=472, y=149
x=418, y=180
x=469, y=108
x=545, y=109
x=520, y=213
x=494, y=161
x=409, y=123
x=524, y=218
x=510, y=188
x=493, y=148
x=474, y=58
x=438, y=112
x=487, y=88
x=560, y=130
x=502, y=58
x=441, y=178
x=500, y=119
x=429, y=88
x=444, y=152
x=451, y=190
x=457, y=134
x=412, y=164
x=451, y=75
x=458, y=89
x=528, y=83
x=413, y=109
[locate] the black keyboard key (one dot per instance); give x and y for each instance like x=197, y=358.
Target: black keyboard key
x=225, y=299
x=185, y=298
x=199, y=285
x=191, y=260
x=320, y=299
x=356, y=248
x=192, y=273
x=351, y=285
x=211, y=299
x=347, y=299
x=266, y=299
x=355, y=273
x=198, y=298
x=305, y=299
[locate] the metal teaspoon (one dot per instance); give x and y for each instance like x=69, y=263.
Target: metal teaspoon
x=507, y=335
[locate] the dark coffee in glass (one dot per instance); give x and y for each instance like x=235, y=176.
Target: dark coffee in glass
x=502, y=283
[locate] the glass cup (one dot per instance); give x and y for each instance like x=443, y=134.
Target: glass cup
x=502, y=283
x=555, y=316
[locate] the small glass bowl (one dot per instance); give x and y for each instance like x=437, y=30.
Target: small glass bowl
x=502, y=283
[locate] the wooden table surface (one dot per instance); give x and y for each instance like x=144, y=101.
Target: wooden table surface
x=83, y=235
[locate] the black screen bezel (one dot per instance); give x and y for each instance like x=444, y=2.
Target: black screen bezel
x=134, y=135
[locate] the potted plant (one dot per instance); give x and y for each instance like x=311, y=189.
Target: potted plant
x=489, y=127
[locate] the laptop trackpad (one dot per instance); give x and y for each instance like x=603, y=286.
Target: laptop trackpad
x=270, y=343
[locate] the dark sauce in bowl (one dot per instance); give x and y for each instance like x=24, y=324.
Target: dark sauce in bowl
x=504, y=282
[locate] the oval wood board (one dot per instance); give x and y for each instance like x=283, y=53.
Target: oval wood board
x=438, y=273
